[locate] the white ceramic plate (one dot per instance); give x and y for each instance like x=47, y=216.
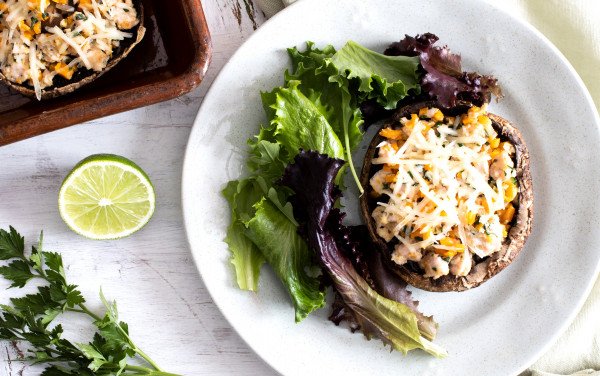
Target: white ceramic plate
x=496, y=329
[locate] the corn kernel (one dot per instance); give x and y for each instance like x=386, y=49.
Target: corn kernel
x=423, y=233
x=474, y=110
x=484, y=120
x=484, y=203
x=507, y=214
x=33, y=4
x=23, y=26
x=510, y=191
x=438, y=116
x=494, y=142
x=453, y=233
x=391, y=134
x=85, y=4
x=445, y=252
x=390, y=168
x=471, y=217
x=495, y=152
x=413, y=120
x=450, y=242
x=430, y=207
x=64, y=70
x=467, y=119
x=423, y=111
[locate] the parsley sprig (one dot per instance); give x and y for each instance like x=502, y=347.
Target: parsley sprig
x=31, y=318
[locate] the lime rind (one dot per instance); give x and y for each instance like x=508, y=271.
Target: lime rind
x=106, y=197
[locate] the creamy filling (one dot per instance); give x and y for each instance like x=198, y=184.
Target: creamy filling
x=447, y=185
x=40, y=39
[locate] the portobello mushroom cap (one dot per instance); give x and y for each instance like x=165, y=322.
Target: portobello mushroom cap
x=82, y=76
x=483, y=268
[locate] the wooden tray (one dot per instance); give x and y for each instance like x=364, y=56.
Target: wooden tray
x=170, y=61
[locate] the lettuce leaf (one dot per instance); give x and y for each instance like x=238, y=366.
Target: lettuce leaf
x=356, y=243
x=266, y=159
x=288, y=255
x=320, y=81
x=299, y=124
x=245, y=256
x=386, y=78
x=312, y=177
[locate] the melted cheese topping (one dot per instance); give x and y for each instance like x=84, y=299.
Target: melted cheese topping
x=450, y=183
x=40, y=39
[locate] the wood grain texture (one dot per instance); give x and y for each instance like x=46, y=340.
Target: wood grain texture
x=151, y=274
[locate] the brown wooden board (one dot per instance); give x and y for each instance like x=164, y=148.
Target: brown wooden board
x=170, y=61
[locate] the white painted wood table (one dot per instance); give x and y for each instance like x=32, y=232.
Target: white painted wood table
x=151, y=274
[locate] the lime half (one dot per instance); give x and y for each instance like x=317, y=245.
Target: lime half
x=106, y=197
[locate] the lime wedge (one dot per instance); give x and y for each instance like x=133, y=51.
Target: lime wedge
x=106, y=197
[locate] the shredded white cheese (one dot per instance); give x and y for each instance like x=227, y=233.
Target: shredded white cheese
x=439, y=195
x=42, y=39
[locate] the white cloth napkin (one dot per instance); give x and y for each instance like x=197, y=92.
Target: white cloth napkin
x=574, y=27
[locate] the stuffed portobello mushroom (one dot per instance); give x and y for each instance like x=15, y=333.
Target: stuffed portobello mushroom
x=449, y=198
x=51, y=47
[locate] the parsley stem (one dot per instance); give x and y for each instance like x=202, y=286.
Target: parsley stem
x=137, y=350
x=147, y=358
x=137, y=369
x=88, y=312
x=146, y=371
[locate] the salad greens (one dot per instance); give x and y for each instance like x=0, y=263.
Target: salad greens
x=318, y=109
x=31, y=318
